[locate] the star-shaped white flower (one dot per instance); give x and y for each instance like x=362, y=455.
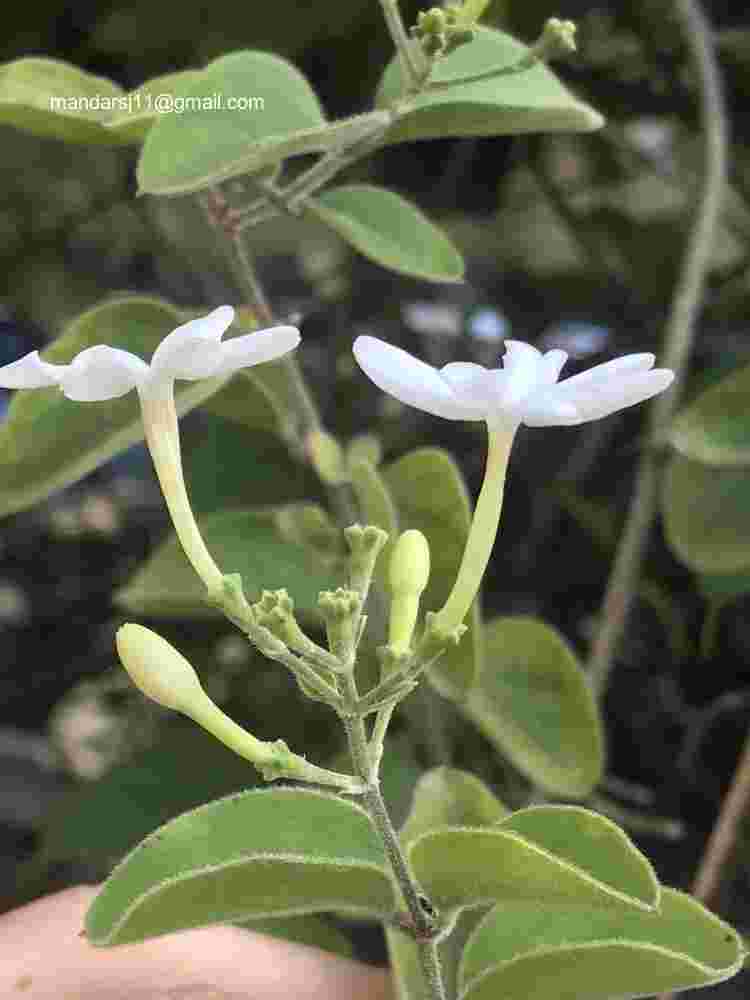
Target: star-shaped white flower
x=524, y=391
x=192, y=351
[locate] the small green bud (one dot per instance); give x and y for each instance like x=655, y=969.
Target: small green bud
x=408, y=574
x=436, y=639
x=155, y=666
x=409, y=569
x=440, y=30
x=558, y=39
x=340, y=604
x=341, y=612
x=365, y=545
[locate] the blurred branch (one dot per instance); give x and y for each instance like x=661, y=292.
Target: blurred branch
x=678, y=342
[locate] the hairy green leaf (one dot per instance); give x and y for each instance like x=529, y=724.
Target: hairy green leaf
x=269, y=852
x=522, y=951
x=511, y=102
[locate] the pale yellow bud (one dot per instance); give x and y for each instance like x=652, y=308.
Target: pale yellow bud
x=163, y=674
x=408, y=573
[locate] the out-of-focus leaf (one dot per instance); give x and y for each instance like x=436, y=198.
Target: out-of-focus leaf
x=715, y=427
x=707, y=515
x=160, y=95
x=530, y=100
x=242, y=541
x=389, y=230
x=532, y=700
x=99, y=822
x=245, y=111
x=48, y=97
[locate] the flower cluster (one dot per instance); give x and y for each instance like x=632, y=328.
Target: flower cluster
x=526, y=390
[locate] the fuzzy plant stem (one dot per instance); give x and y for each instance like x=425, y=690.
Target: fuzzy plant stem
x=678, y=341
x=412, y=71
x=420, y=924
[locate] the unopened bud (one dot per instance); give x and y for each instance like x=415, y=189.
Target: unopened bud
x=161, y=673
x=408, y=574
x=558, y=39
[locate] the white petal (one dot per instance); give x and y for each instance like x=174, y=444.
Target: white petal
x=30, y=372
x=522, y=370
x=624, y=391
x=609, y=373
x=409, y=380
x=255, y=348
x=542, y=411
x=551, y=365
x=102, y=372
x=472, y=387
x=192, y=350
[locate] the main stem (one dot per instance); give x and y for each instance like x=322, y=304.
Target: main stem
x=422, y=928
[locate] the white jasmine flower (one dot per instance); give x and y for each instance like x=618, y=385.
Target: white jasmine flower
x=525, y=390
x=192, y=351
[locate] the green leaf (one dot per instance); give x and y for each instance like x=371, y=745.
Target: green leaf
x=257, y=398
x=532, y=700
x=48, y=441
x=526, y=952
x=532, y=100
x=376, y=507
x=715, y=427
x=308, y=929
x=443, y=796
x=230, y=467
x=242, y=541
x=31, y=90
x=257, y=854
x=389, y=230
x=206, y=144
x=460, y=867
x=592, y=843
x=724, y=587
x=430, y=495
x=447, y=796
x=102, y=820
x=707, y=515
x=148, y=102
